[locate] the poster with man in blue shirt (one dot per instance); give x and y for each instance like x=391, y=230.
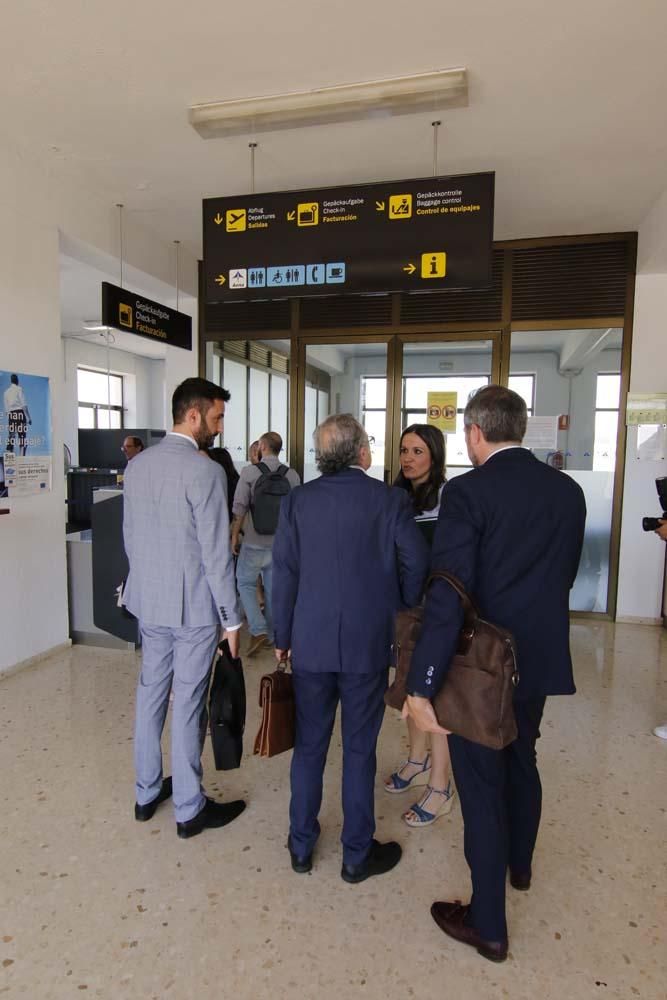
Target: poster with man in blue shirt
x=25, y=434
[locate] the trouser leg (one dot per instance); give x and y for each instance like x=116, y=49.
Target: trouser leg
x=362, y=710
x=267, y=580
x=248, y=569
x=524, y=789
x=316, y=699
x=194, y=649
x=151, y=709
x=480, y=779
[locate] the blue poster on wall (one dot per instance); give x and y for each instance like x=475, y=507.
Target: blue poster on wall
x=25, y=434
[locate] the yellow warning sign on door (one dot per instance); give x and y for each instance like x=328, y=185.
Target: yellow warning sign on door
x=308, y=213
x=441, y=411
x=400, y=206
x=434, y=265
x=235, y=220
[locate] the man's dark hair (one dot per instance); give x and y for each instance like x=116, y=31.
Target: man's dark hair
x=499, y=413
x=197, y=392
x=273, y=442
x=14, y=379
x=137, y=442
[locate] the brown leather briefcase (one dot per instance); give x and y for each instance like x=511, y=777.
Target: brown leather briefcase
x=276, y=699
x=475, y=700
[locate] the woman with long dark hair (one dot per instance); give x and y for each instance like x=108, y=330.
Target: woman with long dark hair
x=422, y=456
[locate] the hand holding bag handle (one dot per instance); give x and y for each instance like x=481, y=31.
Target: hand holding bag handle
x=277, y=726
x=475, y=700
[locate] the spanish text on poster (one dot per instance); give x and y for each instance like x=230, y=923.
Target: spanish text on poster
x=25, y=434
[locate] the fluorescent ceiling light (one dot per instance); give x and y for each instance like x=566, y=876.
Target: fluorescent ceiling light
x=401, y=95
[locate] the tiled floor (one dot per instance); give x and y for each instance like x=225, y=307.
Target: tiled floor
x=94, y=904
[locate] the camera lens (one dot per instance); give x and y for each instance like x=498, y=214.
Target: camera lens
x=650, y=523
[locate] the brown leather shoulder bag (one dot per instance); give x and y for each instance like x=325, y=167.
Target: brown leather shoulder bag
x=475, y=700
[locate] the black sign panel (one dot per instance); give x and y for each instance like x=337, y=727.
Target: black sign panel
x=415, y=235
x=135, y=314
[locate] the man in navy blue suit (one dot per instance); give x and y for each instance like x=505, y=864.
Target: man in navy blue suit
x=347, y=555
x=511, y=530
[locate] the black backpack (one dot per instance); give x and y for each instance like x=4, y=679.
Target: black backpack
x=267, y=495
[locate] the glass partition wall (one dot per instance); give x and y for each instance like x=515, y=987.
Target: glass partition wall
x=569, y=379
x=577, y=381
x=257, y=376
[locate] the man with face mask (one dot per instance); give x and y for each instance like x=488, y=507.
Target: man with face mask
x=181, y=588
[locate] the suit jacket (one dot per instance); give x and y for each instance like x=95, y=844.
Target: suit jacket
x=512, y=531
x=347, y=555
x=176, y=531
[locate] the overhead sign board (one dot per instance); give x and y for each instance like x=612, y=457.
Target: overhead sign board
x=428, y=234
x=132, y=313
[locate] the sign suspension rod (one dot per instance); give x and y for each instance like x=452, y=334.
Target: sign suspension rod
x=436, y=125
x=119, y=206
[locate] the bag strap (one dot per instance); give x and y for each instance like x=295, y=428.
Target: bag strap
x=470, y=609
x=263, y=467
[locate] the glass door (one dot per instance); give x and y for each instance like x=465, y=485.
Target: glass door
x=345, y=376
x=574, y=377
x=432, y=364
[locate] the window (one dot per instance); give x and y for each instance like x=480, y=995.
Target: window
x=100, y=398
x=259, y=399
x=607, y=395
x=413, y=405
x=524, y=386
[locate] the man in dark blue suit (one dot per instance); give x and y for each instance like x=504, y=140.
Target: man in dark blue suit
x=511, y=530
x=347, y=555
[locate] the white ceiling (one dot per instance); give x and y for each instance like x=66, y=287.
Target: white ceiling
x=567, y=101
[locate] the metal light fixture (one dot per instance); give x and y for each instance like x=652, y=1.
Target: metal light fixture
x=401, y=95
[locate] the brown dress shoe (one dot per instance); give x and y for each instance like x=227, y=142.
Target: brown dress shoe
x=256, y=643
x=450, y=918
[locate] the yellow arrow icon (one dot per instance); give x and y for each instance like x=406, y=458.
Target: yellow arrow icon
x=411, y=268
x=291, y=216
x=218, y=219
x=379, y=206
x=220, y=280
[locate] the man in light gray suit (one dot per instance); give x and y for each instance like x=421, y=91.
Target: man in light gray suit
x=181, y=588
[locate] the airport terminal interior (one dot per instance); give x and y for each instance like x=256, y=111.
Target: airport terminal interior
x=469, y=197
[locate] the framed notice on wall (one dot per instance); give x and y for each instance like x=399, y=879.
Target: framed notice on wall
x=25, y=434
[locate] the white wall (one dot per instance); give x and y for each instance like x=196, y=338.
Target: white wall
x=642, y=556
x=36, y=204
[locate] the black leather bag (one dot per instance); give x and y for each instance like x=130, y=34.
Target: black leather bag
x=475, y=700
x=227, y=709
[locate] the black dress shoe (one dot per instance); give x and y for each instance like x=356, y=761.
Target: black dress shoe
x=520, y=880
x=451, y=917
x=301, y=863
x=381, y=858
x=213, y=814
x=142, y=813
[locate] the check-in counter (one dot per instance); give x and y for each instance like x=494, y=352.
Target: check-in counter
x=96, y=567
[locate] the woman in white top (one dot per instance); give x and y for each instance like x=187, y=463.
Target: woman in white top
x=422, y=474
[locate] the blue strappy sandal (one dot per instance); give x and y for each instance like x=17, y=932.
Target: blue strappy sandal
x=426, y=817
x=399, y=784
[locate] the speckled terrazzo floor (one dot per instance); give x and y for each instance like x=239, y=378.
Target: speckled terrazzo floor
x=94, y=904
